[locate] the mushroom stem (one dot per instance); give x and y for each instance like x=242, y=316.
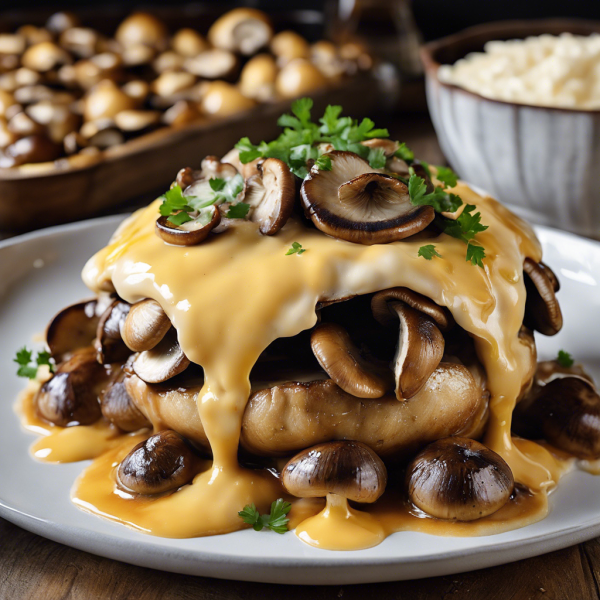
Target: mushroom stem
x=340, y=527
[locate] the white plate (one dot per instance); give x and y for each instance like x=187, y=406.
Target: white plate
x=40, y=273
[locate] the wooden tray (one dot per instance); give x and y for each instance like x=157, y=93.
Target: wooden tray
x=40, y=197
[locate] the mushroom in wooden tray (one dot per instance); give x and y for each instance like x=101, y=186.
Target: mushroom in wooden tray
x=163, y=462
x=459, y=479
x=355, y=202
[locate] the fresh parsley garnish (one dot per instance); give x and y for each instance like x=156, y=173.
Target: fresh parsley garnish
x=323, y=163
x=301, y=137
x=24, y=360
x=447, y=176
x=295, y=249
x=405, y=153
x=238, y=211
x=276, y=520
x=440, y=200
x=564, y=359
x=428, y=252
x=181, y=209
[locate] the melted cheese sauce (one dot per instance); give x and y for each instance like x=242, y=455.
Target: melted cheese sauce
x=233, y=295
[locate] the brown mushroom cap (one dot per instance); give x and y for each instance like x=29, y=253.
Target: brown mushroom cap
x=70, y=397
x=288, y=45
x=388, y=146
x=212, y=64
x=105, y=100
x=188, y=42
x=145, y=326
x=118, y=407
x=359, y=204
x=159, y=464
x=109, y=344
x=344, y=363
x=459, y=479
x=348, y=469
x=74, y=327
x=299, y=77
x=243, y=30
x=30, y=149
x=271, y=196
x=188, y=234
x=440, y=314
x=566, y=412
x=542, y=311
x=163, y=361
x=257, y=79
x=222, y=99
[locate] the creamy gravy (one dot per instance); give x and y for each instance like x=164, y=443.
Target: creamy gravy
x=231, y=296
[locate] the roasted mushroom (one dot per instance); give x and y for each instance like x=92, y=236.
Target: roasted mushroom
x=71, y=396
x=360, y=204
x=459, y=479
x=109, y=344
x=162, y=362
x=339, y=471
x=542, y=311
x=565, y=412
x=118, y=407
x=271, y=195
x=162, y=463
x=191, y=233
x=345, y=364
x=145, y=326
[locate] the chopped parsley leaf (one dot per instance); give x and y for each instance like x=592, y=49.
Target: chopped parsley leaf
x=564, y=359
x=295, y=249
x=428, y=252
x=24, y=359
x=276, y=520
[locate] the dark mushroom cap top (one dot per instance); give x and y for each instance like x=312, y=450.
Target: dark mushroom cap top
x=348, y=469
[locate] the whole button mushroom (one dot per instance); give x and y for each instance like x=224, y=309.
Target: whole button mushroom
x=243, y=30
x=61, y=21
x=105, y=100
x=298, y=77
x=71, y=396
x=109, y=344
x=289, y=45
x=45, y=56
x=191, y=233
x=142, y=28
x=339, y=471
x=118, y=407
x=162, y=463
x=222, y=99
x=459, y=479
x=162, y=362
x=355, y=202
x=145, y=326
x=257, y=79
x=188, y=42
x=565, y=412
x=30, y=149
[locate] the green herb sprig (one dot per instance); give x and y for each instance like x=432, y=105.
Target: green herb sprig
x=27, y=366
x=301, y=136
x=276, y=520
x=428, y=252
x=564, y=359
x=295, y=249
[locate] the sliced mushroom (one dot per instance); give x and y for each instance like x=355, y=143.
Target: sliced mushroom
x=271, y=196
x=145, y=326
x=243, y=30
x=440, y=314
x=542, y=311
x=212, y=64
x=359, y=204
x=345, y=364
x=459, y=479
x=162, y=463
x=70, y=397
x=73, y=328
x=212, y=166
x=388, y=146
x=565, y=412
x=188, y=234
x=109, y=344
x=348, y=469
x=163, y=362
x=118, y=407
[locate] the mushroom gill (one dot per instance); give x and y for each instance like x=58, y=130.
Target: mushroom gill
x=360, y=204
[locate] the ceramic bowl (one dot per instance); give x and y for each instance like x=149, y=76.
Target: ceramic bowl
x=542, y=162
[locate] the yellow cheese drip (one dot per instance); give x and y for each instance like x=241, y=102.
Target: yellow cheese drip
x=231, y=296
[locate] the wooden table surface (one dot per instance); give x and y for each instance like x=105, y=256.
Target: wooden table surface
x=34, y=568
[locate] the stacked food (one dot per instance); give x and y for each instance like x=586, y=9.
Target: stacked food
x=316, y=323
x=68, y=92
